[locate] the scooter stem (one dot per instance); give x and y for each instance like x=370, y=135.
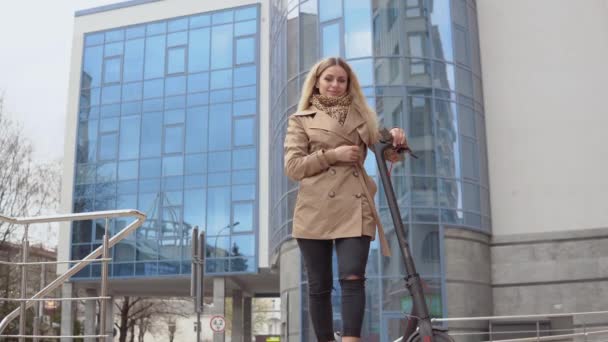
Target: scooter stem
x=412, y=279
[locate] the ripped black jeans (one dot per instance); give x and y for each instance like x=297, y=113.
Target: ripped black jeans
x=352, y=259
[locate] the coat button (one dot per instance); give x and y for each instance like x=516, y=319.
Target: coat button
x=358, y=195
x=355, y=173
x=333, y=171
x=332, y=194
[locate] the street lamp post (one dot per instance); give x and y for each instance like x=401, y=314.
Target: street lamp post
x=232, y=225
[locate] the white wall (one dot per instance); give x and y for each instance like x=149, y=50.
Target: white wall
x=545, y=78
x=141, y=14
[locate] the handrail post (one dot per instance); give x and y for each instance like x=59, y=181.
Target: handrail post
x=22, y=305
x=104, y=282
x=40, y=306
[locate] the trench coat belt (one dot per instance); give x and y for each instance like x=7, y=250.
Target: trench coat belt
x=383, y=242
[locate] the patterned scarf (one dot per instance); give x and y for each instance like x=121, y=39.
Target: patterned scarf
x=336, y=107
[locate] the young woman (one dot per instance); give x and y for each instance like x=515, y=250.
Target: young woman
x=325, y=147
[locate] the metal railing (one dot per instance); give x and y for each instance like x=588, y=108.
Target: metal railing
x=102, y=251
x=536, y=318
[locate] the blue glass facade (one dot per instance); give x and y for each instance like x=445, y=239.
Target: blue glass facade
x=168, y=124
x=418, y=62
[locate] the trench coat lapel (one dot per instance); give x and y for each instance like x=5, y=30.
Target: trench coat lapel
x=353, y=119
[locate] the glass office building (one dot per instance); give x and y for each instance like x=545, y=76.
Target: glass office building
x=418, y=62
x=168, y=124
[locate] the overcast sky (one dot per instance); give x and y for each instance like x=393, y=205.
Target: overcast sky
x=35, y=50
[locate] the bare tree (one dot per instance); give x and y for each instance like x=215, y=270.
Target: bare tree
x=147, y=314
x=26, y=189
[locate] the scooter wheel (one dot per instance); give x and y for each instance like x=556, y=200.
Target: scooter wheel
x=438, y=336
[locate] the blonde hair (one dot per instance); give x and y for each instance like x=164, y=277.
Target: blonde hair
x=353, y=88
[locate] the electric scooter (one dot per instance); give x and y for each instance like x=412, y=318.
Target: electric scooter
x=419, y=327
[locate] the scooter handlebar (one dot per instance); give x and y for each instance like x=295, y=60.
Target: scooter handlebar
x=386, y=142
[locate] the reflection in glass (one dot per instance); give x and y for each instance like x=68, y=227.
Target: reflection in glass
x=198, y=50
x=221, y=46
x=329, y=10
x=357, y=27
x=331, y=40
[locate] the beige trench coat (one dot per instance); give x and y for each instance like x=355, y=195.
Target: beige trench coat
x=335, y=199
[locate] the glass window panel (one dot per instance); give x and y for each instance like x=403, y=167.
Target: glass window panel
x=194, y=208
x=153, y=105
x=245, y=76
x=220, y=248
x=245, y=13
x=151, y=133
x=470, y=162
x=94, y=39
x=175, y=85
x=127, y=170
x=174, y=139
x=149, y=185
x=108, y=125
x=175, y=102
x=464, y=81
x=425, y=249
x=424, y=191
x=218, y=210
x=89, y=97
x=245, y=108
x=243, y=193
x=106, y=172
x=136, y=32
x=220, y=130
x=310, y=30
x=108, y=144
x=466, y=120
x=244, y=158
x=331, y=40
x=245, y=50
x=173, y=183
x=132, y=91
x=172, y=198
x=218, y=179
x=87, y=141
x=129, y=137
x=198, y=99
x=196, y=129
x=364, y=70
x=221, y=79
x=244, y=93
x=200, y=20
x=149, y=168
x=196, y=163
x=127, y=187
x=243, y=213
x=461, y=48
x=389, y=71
x=221, y=47
x=219, y=161
x=114, y=49
x=242, y=245
x=173, y=166
x=198, y=50
x=384, y=29
x=155, y=57
x=156, y=28
x=111, y=110
x=471, y=197
x=153, y=88
x=198, y=82
x=245, y=28
x=133, y=60
x=243, y=177
x=81, y=232
x=330, y=10
x=357, y=27
x=442, y=33
x=222, y=17
x=195, y=181
x=174, y=116
x=110, y=94
x=218, y=96
x=244, y=132
x=176, y=60
x=178, y=24
x=91, y=70
x=115, y=35
x=416, y=45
